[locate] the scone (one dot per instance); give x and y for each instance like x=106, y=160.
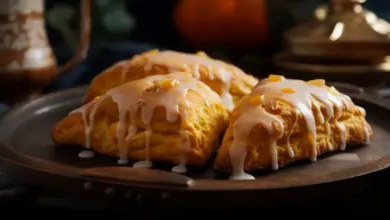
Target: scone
x=167, y=118
x=230, y=82
x=285, y=120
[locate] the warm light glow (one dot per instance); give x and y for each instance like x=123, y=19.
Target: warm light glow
x=337, y=31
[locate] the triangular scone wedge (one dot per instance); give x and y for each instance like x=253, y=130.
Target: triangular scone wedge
x=169, y=118
x=230, y=82
x=285, y=120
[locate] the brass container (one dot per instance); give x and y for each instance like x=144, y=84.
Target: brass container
x=342, y=31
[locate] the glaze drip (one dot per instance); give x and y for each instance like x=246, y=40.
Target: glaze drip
x=85, y=154
x=238, y=150
x=143, y=97
x=185, y=148
x=306, y=98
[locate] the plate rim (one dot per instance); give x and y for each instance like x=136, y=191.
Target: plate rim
x=350, y=69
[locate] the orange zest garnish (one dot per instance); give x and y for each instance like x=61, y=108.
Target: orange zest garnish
x=317, y=82
x=153, y=51
x=96, y=99
x=168, y=84
x=201, y=54
x=275, y=78
x=288, y=90
x=256, y=100
x=184, y=74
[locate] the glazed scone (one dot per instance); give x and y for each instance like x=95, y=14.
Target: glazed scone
x=167, y=118
x=230, y=82
x=285, y=120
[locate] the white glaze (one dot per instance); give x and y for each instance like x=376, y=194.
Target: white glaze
x=238, y=151
x=125, y=67
x=350, y=157
x=147, y=163
x=86, y=154
x=144, y=96
x=177, y=61
x=304, y=98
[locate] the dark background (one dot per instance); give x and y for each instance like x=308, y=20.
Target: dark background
x=151, y=21
x=122, y=28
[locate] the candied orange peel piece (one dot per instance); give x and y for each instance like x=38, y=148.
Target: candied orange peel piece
x=168, y=84
x=256, y=100
x=153, y=51
x=275, y=78
x=317, y=82
x=288, y=90
x=201, y=54
x=96, y=99
x=183, y=74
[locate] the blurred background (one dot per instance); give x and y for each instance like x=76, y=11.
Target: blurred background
x=332, y=39
x=247, y=33
x=167, y=23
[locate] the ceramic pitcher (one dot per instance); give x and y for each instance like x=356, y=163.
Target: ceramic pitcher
x=27, y=63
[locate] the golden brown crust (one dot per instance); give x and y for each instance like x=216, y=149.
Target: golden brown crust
x=258, y=153
x=205, y=125
x=139, y=67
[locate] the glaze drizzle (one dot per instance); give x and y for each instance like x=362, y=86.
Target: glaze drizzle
x=178, y=61
x=303, y=96
x=144, y=96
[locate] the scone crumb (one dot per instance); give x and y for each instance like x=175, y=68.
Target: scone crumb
x=141, y=102
x=274, y=105
x=151, y=88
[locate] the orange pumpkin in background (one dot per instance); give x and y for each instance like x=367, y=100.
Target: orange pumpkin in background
x=232, y=23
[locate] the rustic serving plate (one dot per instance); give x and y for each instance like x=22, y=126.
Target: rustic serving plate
x=27, y=152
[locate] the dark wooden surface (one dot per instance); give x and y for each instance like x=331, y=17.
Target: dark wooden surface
x=370, y=203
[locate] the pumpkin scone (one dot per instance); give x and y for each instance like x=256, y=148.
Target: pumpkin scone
x=170, y=118
x=230, y=82
x=287, y=120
